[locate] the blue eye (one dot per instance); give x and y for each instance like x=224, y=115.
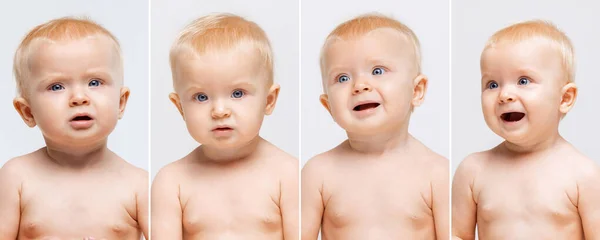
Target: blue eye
x=492, y=85
x=523, y=81
x=94, y=83
x=378, y=71
x=343, y=78
x=237, y=94
x=201, y=97
x=56, y=87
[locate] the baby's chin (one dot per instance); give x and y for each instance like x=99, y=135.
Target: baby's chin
x=78, y=140
x=224, y=144
x=373, y=128
x=522, y=137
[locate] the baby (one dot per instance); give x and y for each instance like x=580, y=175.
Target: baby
x=534, y=185
x=236, y=185
x=381, y=183
x=69, y=77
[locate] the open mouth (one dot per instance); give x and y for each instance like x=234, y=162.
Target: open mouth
x=512, y=116
x=81, y=118
x=365, y=106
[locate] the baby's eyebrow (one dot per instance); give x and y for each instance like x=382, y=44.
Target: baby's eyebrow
x=52, y=77
x=245, y=83
x=485, y=76
x=525, y=71
x=377, y=61
x=334, y=70
x=193, y=89
x=104, y=73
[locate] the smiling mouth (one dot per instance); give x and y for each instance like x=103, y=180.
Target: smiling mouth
x=365, y=106
x=81, y=118
x=512, y=116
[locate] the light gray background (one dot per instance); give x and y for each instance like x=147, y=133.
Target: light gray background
x=279, y=19
x=128, y=21
x=428, y=19
x=473, y=22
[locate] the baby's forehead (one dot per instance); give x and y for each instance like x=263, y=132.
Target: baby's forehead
x=383, y=37
x=527, y=50
x=378, y=44
x=98, y=50
x=190, y=67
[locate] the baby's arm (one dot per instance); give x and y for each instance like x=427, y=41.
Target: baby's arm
x=289, y=201
x=166, y=207
x=589, y=203
x=142, y=204
x=464, y=208
x=312, y=201
x=10, y=210
x=441, y=199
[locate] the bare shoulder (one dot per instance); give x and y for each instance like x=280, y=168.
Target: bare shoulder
x=431, y=159
x=172, y=173
x=283, y=160
x=584, y=168
x=22, y=165
x=474, y=162
x=323, y=162
x=132, y=173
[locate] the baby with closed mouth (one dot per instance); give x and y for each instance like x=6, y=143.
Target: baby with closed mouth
x=235, y=185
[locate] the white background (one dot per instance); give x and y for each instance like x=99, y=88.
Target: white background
x=473, y=22
x=279, y=19
x=127, y=21
x=428, y=19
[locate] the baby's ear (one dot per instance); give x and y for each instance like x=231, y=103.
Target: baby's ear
x=123, y=100
x=568, y=97
x=325, y=102
x=420, y=83
x=272, y=98
x=22, y=106
x=175, y=100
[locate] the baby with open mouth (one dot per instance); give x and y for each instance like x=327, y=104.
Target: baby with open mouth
x=534, y=185
x=372, y=80
x=69, y=74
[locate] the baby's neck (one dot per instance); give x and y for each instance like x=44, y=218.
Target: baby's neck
x=219, y=155
x=379, y=143
x=537, y=147
x=77, y=157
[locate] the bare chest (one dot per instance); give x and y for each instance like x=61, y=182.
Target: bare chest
x=231, y=206
x=389, y=195
x=544, y=197
x=74, y=210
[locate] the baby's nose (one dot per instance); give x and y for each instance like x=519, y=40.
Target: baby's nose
x=361, y=87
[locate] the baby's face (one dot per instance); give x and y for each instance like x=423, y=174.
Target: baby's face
x=369, y=81
x=74, y=90
x=222, y=96
x=521, y=90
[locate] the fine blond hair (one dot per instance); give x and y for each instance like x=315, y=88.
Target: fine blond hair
x=221, y=32
x=57, y=30
x=538, y=29
x=362, y=25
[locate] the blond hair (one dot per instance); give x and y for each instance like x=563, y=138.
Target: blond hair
x=221, y=32
x=61, y=29
x=538, y=29
x=363, y=24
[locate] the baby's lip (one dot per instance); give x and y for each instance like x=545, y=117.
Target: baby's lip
x=222, y=128
x=82, y=117
x=364, y=105
x=512, y=116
